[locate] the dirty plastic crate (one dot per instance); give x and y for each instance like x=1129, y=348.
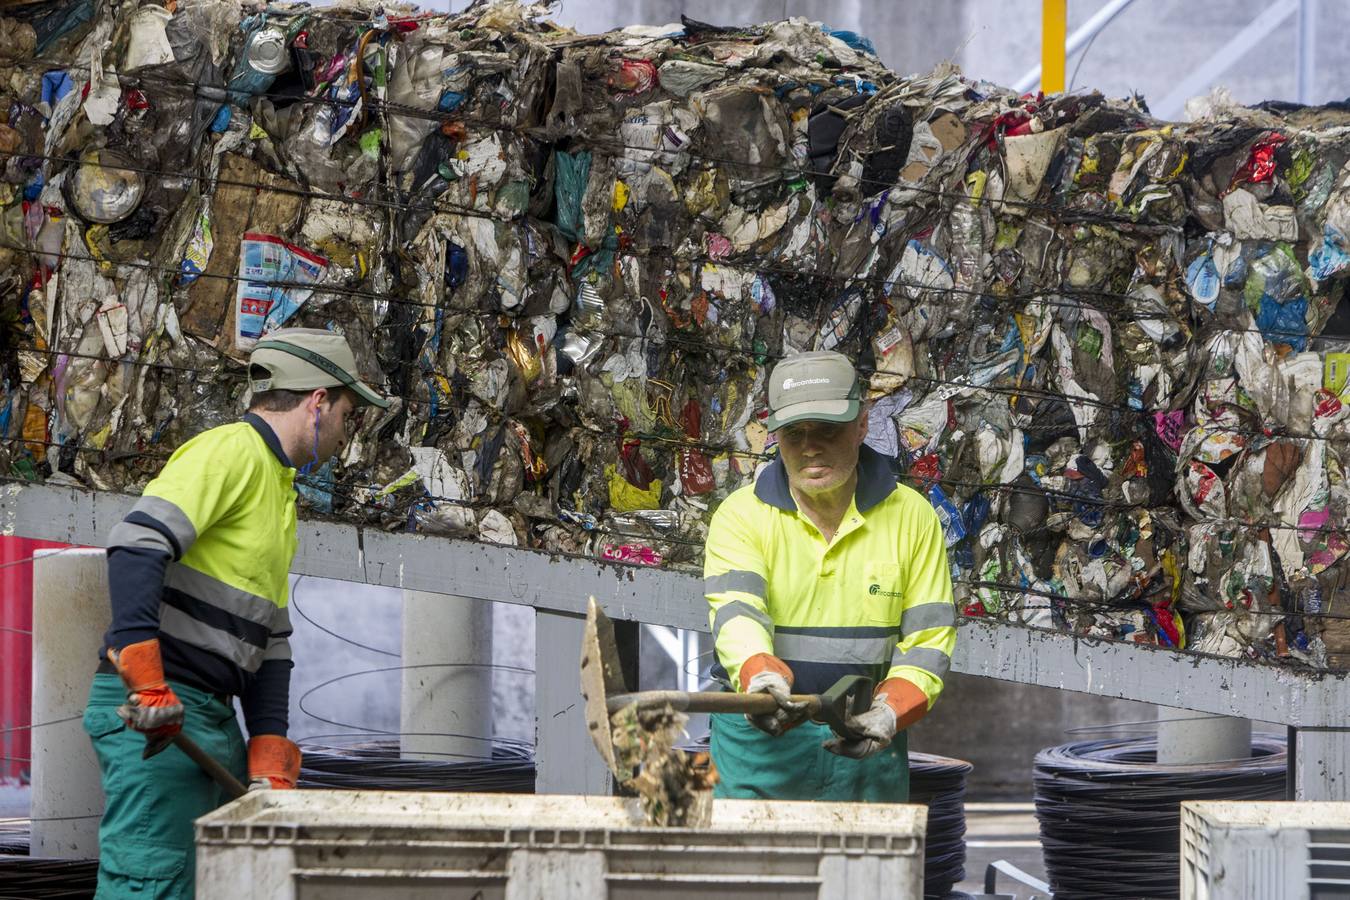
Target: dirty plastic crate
x=347, y=845
x=1257, y=851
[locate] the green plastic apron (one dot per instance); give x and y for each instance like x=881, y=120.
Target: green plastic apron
x=754, y=766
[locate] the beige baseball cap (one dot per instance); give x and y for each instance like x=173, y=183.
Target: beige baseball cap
x=813, y=387
x=304, y=359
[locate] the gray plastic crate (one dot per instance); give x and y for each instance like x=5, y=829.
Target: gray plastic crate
x=354, y=845
x=1234, y=850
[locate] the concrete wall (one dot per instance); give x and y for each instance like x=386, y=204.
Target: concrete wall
x=332, y=617
x=999, y=727
x=1148, y=49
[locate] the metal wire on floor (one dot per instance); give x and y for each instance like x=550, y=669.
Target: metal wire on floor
x=1110, y=814
x=939, y=783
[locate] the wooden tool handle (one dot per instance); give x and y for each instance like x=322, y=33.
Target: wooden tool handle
x=710, y=702
x=219, y=774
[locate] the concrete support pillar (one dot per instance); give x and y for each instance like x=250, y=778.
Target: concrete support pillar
x=1319, y=764
x=567, y=760
x=71, y=613
x=446, y=709
x=1186, y=737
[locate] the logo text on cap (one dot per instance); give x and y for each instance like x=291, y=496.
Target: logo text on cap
x=789, y=384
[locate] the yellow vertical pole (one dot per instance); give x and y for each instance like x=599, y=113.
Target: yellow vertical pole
x=1054, y=31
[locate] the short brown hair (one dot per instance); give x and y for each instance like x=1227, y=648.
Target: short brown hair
x=277, y=400
x=281, y=400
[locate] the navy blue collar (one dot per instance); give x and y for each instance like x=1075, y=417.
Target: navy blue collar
x=269, y=438
x=876, y=482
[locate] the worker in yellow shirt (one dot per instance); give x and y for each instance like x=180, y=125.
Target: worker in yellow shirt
x=825, y=567
x=197, y=577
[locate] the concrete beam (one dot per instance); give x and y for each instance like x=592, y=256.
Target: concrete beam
x=561, y=584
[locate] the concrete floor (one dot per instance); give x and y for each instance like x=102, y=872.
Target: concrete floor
x=1004, y=831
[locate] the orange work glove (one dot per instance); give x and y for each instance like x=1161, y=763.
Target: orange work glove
x=273, y=763
x=766, y=673
x=152, y=707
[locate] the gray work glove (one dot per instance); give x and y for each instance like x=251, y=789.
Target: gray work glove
x=788, y=712
x=877, y=726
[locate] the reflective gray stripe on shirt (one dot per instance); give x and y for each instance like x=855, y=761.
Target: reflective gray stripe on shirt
x=178, y=624
x=934, y=662
x=129, y=534
x=171, y=516
x=734, y=610
x=736, y=580
x=867, y=649
x=928, y=615
x=277, y=648
x=227, y=597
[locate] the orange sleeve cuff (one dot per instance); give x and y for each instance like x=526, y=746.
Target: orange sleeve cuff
x=763, y=662
x=904, y=697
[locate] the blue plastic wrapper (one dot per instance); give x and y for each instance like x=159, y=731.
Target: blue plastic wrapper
x=317, y=487
x=975, y=513
x=55, y=85
x=853, y=39
x=1284, y=323
x=1328, y=258
x=953, y=528
x=456, y=265
x=1203, y=278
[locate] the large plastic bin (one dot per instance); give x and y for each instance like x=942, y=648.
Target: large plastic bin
x=1259, y=851
x=350, y=845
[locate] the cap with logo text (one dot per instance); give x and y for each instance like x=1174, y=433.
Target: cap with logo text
x=813, y=387
x=305, y=359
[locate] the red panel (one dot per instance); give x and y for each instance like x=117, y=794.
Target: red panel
x=16, y=652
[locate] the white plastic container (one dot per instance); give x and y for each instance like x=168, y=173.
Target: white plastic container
x=1260, y=851
x=354, y=845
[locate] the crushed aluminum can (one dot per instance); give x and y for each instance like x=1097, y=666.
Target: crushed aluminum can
x=580, y=346
x=589, y=299
x=267, y=51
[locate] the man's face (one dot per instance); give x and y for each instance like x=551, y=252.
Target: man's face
x=821, y=456
x=338, y=416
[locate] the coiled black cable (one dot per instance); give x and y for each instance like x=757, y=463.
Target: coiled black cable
x=377, y=765
x=940, y=784
x=1110, y=814
x=14, y=837
x=22, y=878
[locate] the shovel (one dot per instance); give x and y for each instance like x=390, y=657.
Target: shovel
x=605, y=693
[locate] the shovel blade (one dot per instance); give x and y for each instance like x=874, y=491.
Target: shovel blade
x=601, y=677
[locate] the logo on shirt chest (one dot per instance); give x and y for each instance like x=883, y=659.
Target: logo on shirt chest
x=875, y=589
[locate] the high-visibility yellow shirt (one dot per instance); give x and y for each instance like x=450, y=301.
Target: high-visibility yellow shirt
x=201, y=563
x=874, y=600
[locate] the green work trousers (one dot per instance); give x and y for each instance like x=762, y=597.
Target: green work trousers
x=146, y=849
x=794, y=766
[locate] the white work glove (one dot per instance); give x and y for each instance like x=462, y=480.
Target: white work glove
x=788, y=712
x=877, y=726
x=260, y=784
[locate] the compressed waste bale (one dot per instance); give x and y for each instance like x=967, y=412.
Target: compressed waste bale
x=1110, y=350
